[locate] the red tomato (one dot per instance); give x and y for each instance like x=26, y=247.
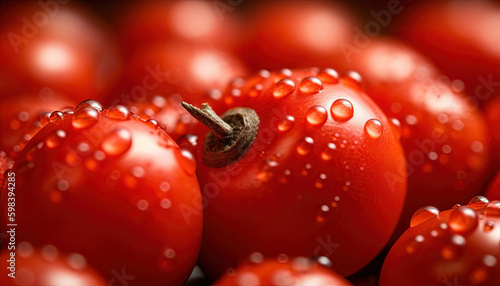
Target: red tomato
x=493, y=191
x=46, y=266
x=316, y=181
x=21, y=116
x=295, y=34
x=445, y=140
x=175, y=67
x=113, y=188
x=453, y=247
x=492, y=113
x=146, y=22
x=5, y=163
x=462, y=38
x=56, y=44
x=282, y=271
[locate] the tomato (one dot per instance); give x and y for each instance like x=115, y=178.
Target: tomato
x=454, y=247
x=492, y=114
x=148, y=22
x=281, y=271
x=462, y=38
x=5, y=163
x=57, y=45
x=445, y=139
x=46, y=266
x=295, y=34
x=112, y=188
x=324, y=165
x=21, y=116
x=493, y=191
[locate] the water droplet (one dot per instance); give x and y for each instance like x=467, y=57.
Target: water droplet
x=186, y=160
x=423, y=214
x=117, y=142
x=169, y=253
x=164, y=186
x=305, y=146
x=89, y=103
x=373, y=128
x=56, y=115
x=76, y=261
x=151, y=123
x=325, y=261
x=286, y=123
x=25, y=249
x=310, y=85
x=283, y=258
x=320, y=183
x=44, y=118
x=165, y=203
x=283, y=88
x=142, y=205
x=138, y=172
x=328, y=152
x=256, y=257
x=489, y=260
x=477, y=146
x=328, y=75
x=342, y=110
x=454, y=249
x=478, y=203
x=55, y=138
x=411, y=119
x=463, y=220
x=492, y=210
x=488, y=226
x=414, y=244
x=118, y=112
x=316, y=116
x=85, y=117
x=354, y=78
x=63, y=185
x=255, y=91
x=50, y=252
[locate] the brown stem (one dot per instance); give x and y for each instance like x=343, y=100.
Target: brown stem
x=207, y=116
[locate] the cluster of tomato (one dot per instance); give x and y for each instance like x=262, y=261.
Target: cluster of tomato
x=269, y=143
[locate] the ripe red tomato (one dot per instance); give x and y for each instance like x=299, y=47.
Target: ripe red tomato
x=493, y=191
x=21, y=116
x=453, y=247
x=56, y=44
x=5, y=163
x=445, y=139
x=46, y=266
x=281, y=271
x=462, y=39
x=295, y=34
x=316, y=181
x=147, y=22
x=113, y=188
x=492, y=114
x=175, y=67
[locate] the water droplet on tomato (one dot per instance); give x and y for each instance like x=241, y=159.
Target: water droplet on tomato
x=255, y=91
x=316, y=116
x=328, y=75
x=164, y=186
x=118, y=112
x=342, y=110
x=85, y=117
x=454, y=249
x=320, y=182
x=165, y=203
x=286, y=123
x=89, y=103
x=328, y=152
x=478, y=203
x=56, y=115
x=463, y=220
x=186, y=160
x=142, y=205
x=305, y=146
x=414, y=244
x=283, y=88
x=310, y=85
x=354, y=78
x=55, y=138
x=151, y=123
x=76, y=261
x=492, y=210
x=488, y=226
x=256, y=257
x=373, y=128
x=44, y=118
x=117, y=142
x=422, y=215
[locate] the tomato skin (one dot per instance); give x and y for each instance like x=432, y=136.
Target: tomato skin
x=434, y=252
x=39, y=267
x=295, y=34
x=446, y=140
x=271, y=201
x=493, y=191
x=5, y=164
x=20, y=116
x=62, y=47
x=286, y=272
x=461, y=38
x=122, y=186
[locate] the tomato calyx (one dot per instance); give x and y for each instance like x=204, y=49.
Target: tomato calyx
x=230, y=136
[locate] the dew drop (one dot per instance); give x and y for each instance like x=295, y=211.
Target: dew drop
x=142, y=205
x=478, y=203
x=422, y=215
x=49, y=252
x=316, y=116
x=56, y=115
x=25, y=249
x=414, y=244
x=311, y=85
x=89, y=103
x=117, y=142
x=164, y=186
x=55, y=139
x=342, y=110
x=165, y=203
x=463, y=220
x=118, y=112
x=305, y=146
x=492, y=210
x=255, y=91
x=320, y=182
x=76, y=261
x=85, y=117
x=328, y=75
x=169, y=253
x=138, y=172
x=44, y=118
x=286, y=123
x=373, y=128
x=256, y=257
x=354, y=78
x=488, y=226
x=151, y=123
x=283, y=88
x=328, y=152
x=186, y=160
